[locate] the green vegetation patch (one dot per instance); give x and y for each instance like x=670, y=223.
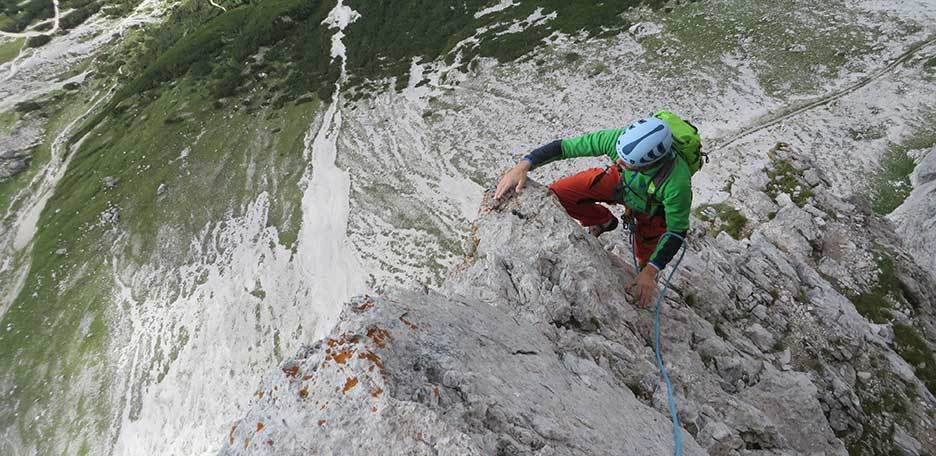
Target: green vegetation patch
x=725, y=217
x=83, y=9
x=891, y=184
x=200, y=41
x=50, y=353
x=22, y=14
x=930, y=64
x=10, y=49
x=36, y=41
x=913, y=348
x=60, y=112
x=18, y=15
x=877, y=304
x=784, y=178
x=390, y=34
x=7, y=122
x=878, y=400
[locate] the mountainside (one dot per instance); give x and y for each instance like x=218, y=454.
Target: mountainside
x=532, y=347
x=190, y=191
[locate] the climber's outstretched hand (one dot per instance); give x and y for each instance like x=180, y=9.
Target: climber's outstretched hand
x=515, y=178
x=646, y=286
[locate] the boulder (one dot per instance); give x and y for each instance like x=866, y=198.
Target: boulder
x=415, y=373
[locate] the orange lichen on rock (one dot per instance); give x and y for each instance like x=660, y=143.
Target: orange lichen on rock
x=342, y=356
x=307, y=377
x=379, y=336
x=304, y=392
x=372, y=357
x=259, y=427
x=260, y=394
x=291, y=371
x=373, y=409
x=408, y=323
x=377, y=392
x=364, y=306
x=346, y=338
x=321, y=422
x=350, y=383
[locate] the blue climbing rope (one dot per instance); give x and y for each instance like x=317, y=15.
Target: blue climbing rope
x=677, y=434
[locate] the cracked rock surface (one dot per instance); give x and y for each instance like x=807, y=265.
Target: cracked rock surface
x=532, y=346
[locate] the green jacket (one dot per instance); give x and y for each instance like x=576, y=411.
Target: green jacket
x=675, y=194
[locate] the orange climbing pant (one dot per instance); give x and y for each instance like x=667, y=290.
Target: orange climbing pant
x=649, y=231
x=580, y=194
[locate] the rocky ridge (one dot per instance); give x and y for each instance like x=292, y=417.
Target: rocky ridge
x=916, y=217
x=16, y=148
x=774, y=342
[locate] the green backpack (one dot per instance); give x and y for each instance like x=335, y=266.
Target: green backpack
x=686, y=140
x=686, y=143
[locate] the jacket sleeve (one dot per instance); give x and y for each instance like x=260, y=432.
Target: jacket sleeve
x=588, y=145
x=677, y=203
x=545, y=154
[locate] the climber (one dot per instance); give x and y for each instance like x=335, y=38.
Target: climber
x=651, y=176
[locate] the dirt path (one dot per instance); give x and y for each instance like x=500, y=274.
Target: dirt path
x=55, y=26
x=217, y=5
x=776, y=118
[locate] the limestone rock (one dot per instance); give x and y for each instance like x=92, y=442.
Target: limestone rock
x=760, y=336
x=16, y=166
x=533, y=346
x=905, y=444
x=916, y=217
x=925, y=171
x=110, y=182
x=643, y=30
x=811, y=176
x=428, y=374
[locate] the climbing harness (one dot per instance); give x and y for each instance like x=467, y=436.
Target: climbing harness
x=631, y=228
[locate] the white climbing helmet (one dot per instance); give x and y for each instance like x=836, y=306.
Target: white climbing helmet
x=645, y=142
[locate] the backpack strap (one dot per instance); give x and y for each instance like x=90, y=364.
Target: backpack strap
x=663, y=173
x=657, y=181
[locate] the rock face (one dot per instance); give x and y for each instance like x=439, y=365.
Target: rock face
x=916, y=217
x=16, y=147
x=532, y=346
x=427, y=374
x=416, y=373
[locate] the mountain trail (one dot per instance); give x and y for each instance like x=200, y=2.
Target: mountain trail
x=217, y=5
x=773, y=119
